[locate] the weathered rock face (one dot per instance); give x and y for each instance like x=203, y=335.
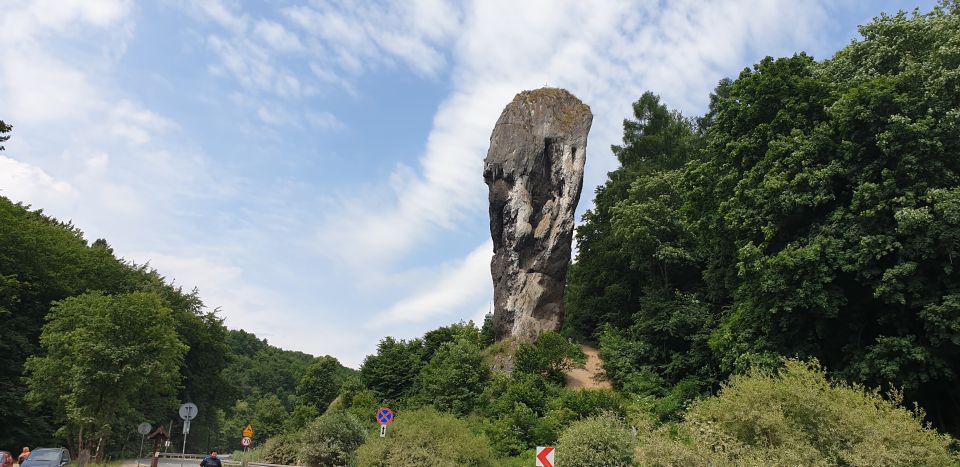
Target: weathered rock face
x=534, y=169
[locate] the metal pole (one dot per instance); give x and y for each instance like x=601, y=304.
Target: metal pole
x=170, y=434
x=184, y=443
x=141, y=449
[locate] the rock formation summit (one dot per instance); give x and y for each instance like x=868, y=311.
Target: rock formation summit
x=534, y=169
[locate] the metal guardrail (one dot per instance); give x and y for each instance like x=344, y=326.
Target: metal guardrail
x=224, y=459
x=177, y=455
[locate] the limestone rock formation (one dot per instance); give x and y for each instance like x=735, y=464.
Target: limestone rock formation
x=534, y=169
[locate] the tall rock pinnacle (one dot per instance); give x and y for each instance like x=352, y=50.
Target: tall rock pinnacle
x=534, y=169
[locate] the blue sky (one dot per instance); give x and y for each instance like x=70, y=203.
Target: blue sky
x=315, y=168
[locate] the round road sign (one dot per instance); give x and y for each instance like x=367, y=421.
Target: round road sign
x=144, y=428
x=188, y=411
x=384, y=416
x=246, y=441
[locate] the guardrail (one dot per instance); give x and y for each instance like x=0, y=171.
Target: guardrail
x=224, y=459
x=177, y=455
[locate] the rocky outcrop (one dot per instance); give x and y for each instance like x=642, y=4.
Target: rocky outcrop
x=534, y=169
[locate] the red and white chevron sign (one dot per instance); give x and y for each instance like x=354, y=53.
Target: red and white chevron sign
x=544, y=456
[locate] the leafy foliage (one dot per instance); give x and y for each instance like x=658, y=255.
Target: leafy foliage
x=321, y=382
x=598, y=440
x=332, y=439
x=427, y=437
x=285, y=449
x=550, y=356
x=811, y=212
x=109, y=361
x=453, y=379
x=392, y=372
x=4, y=128
x=796, y=417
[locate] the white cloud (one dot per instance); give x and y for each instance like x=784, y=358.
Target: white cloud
x=22, y=181
x=453, y=289
x=608, y=57
x=40, y=88
x=26, y=20
x=222, y=14
x=363, y=36
x=324, y=121
x=277, y=36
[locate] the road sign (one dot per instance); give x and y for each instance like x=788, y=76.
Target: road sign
x=383, y=431
x=144, y=428
x=246, y=441
x=188, y=411
x=186, y=427
x=248, y=431
x=384, y=416
x=545, y=456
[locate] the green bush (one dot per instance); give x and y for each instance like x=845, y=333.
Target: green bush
x=588, y=402
x=425, y=437
x=550, y=356
x=332, y=439
x=599, y=440
x=453, y=379
x=364, y=406
x=797, y=417
x=286, y=449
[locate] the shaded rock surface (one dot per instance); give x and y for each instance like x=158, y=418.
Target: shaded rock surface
x=534, y=169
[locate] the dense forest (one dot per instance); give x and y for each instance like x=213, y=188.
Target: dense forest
x=93, y=345
x=771, y=283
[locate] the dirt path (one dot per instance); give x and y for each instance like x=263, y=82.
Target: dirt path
x=591, y=375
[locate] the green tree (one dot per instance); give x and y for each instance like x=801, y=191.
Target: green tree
x=392, y=372
x=4, y=129
x=830, y=191
x=606, y=281
x=109, y=361
x=321, y=382
x=269, y=415
x=453, y=379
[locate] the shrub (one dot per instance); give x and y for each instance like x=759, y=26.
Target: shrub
x=599, y=440
x=588, y=402
x=550, y=356
x=797, y=417
x=364, y=406
x=285, y=449
x=332, y=439
x=426, y=437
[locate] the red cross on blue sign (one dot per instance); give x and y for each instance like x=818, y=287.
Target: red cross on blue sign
x=384, y=416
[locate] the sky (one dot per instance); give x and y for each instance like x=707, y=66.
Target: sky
x=314, y=168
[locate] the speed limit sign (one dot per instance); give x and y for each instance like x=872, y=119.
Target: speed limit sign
x=246, y=441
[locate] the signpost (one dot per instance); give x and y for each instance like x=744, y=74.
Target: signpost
x=545, y=456
x=384, y=417
x=144, y=430
x=247, y=439
x=187, y=412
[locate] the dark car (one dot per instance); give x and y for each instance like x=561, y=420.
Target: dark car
x=47, y=457
x=6, y=460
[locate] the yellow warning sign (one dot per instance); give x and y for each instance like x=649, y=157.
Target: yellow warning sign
x=248, y=431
